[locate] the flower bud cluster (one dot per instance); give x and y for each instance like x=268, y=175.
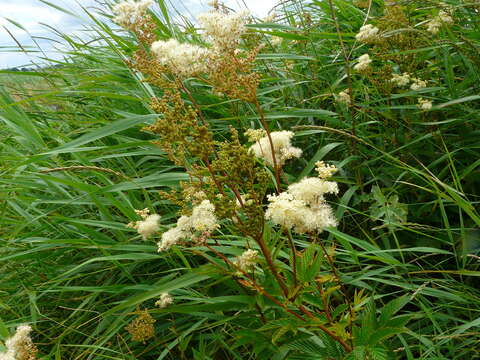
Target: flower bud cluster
x=418, y=84
x=424, y=104
x=400, y=80
x=343, y=97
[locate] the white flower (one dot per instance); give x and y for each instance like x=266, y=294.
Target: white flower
x=324, y=170
x=148, y=226
x=129, y=12
x=224, y=30
x=363, y=62
x=311, y=190
x=20, y=345
x=285, y=210
x=172, y=237
x=270, y=17
x=203, y=217
x=401, y=80
x=282, y=148
x=276, y=40
x=343, y=97
x=424, y=104
x=246, y=261
x=418, y=84
x=165, y=300
x=436, y=23
x=182, y=59
x=367, y=33
x=203, y=220
x=302, y=207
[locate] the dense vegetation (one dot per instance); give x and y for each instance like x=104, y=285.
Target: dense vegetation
x=397, y=278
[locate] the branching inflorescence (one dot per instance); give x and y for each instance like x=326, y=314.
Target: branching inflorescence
x=229, y=180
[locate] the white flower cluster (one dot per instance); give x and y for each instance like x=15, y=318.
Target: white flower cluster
x=20, y=345
x=165, y=300
x=148, y=226
x=223, y=30
x=246, y=261
x=324, y=170
x=343, y=97
x=302, y=207
x=270, y=17
x=130, y=12
x=436, y=23
x=368, y=33
x=401, y=80
x=363, y=63
x=282, y=148
x=276, y=40
x=424, y=104
x=202, y=220
x=418, y=84
x=183, y=59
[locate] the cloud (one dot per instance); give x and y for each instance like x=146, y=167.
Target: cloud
x=36, y=17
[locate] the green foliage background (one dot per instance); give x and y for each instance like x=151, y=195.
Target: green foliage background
x=408, y=206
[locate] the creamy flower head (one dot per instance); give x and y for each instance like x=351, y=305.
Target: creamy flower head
x=363, y=63
x=302, y=207
x=325, y=170
x=246, y=261
x=418, y=84
x=165, y=300
x=282, y=147
x=148, y=226
x=368, y=33
x=312, y=190
x=20, y=345
x=270, y=17
x=443, y=18
x=203, y=219
x=343, y=97
x=424, y=104
x=223, y=30
x=276, y=40
x=129, y=12
x=401, y=80
x=182, y=59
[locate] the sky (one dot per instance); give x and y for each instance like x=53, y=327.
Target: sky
x=36, y=17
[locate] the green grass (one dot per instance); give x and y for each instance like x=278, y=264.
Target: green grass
x=408, y=205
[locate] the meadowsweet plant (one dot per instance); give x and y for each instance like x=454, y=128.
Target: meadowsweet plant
x=230, y=187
